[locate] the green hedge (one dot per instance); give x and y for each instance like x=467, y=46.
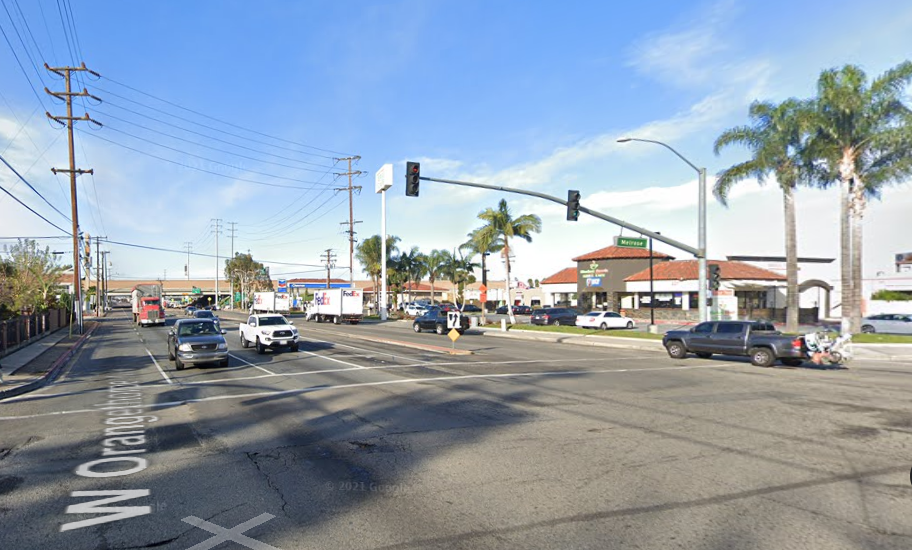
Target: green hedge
x=892, y=295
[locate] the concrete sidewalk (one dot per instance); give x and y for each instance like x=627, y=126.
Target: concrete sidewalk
x=40, y=363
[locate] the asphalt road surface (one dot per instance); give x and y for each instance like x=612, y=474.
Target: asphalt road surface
x=356, y=444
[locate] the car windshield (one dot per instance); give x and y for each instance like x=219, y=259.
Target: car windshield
x=594, y=314
x=202, y=328
x=276, y=320
x=204, y=314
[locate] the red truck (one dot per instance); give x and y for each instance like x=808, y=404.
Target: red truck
x=147, y=305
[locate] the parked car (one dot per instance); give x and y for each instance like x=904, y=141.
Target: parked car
x=193, y=341
x=556, y=316
x=206, y=314
x=758, y=340
x=604, y=320
x=415, y=309
x=436, y=320
x=890, y=323
x=517, y=310
x=470, y=308
x=190, y=311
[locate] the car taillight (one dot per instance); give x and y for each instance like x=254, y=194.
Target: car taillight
x=796, y=343
x=546, y=316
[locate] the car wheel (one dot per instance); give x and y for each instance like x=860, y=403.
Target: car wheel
x=170, y=352
x=792, y=362
x=868, y=329
x=261, y=349
x=557, y=322
x=603, y=326
x=629, y=324
x=244, y=343
x=762, y=357
x=439, y=329
x=296, y=347
x=416, y=327
x=223, y=363
x=178, y=364
x=676, y=350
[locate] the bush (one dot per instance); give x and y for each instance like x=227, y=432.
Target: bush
x=892, y=295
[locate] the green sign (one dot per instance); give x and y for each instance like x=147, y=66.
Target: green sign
x=197, y=290
x=631, y=242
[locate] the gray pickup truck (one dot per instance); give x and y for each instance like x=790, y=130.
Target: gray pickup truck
x=756, y=339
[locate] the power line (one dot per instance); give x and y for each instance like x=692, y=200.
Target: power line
x=18, y=62
x=201, y=134
x=182, y=252
x=197, y=168
x=225, y=122
x=25, y=47
x=8, y=165
x=31, y=210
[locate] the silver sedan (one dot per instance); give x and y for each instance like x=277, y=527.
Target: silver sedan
x=889, y=323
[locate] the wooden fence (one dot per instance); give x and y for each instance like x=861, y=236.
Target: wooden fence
x=18, y=331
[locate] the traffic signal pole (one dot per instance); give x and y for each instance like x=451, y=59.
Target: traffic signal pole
x=657, y=236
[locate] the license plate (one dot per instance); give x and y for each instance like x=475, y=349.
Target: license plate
x=283, y=342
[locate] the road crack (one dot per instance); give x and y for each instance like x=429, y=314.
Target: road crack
x=255, y=458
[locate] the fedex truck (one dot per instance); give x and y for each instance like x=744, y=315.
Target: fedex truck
x=337, y=305
x=270, y=302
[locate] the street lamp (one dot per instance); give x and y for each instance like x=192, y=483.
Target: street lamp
x=701, y=233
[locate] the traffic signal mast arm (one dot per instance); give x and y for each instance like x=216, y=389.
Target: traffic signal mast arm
x=595, y=213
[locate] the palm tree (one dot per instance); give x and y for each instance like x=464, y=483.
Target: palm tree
x=369, y=254
x=777, y=140
x=502, y=224
x=459, y=270
x=411, y=264
x=483, y=242
x=434, y=264
x=863, y=142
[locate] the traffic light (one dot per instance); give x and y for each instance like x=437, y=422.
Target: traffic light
x=412, y=178
x=715, y=277
x=573, y=205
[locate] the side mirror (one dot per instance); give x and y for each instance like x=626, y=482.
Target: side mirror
x=224, y=331
x=291, y=323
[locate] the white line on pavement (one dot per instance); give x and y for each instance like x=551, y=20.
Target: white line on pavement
x=491, y=376
x=267, y=371
x=372, y=352
x=331, y=359
x=165, y=376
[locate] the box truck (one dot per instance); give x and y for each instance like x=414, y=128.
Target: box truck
x=337, y=305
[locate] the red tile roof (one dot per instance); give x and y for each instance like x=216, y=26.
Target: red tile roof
x=418, y=287
x=620, y=253
x=687, y=270
x=563, y=276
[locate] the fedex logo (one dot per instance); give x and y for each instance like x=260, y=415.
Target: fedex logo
x=321, y=299
x=351, y=293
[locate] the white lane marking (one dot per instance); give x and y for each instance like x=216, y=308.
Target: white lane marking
x=331, y=359
x=165, y=376
x=386, y=367
x=235, y=534
x=493, y=376
x=267, y=371
x=372, y=352
x=35, y=396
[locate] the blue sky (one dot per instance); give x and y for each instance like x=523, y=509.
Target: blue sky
x=524, y=94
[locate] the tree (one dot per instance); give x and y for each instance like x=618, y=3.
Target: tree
x=502, y=224
x=863, y=141
x=247, y=274
x=459, y=270
x=369, y=253
x=777, y=140
x=31, y=273
x=412, y=265
x=434, y=263
x=483, y=242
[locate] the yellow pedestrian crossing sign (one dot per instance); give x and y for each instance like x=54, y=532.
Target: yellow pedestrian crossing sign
x=454, y=335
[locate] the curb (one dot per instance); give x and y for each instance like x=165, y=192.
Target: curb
x=578, y=340
x=53, y=372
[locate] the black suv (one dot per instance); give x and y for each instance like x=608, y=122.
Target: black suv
x=554, y=316
x=436, y=320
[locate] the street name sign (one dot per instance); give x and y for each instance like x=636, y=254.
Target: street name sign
x=631, y=242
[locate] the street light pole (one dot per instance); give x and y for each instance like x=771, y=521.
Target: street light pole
x=701, y=231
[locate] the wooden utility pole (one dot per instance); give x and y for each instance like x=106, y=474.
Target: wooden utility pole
x=218, y=231
x=330, y=261
x=67, y=96
x=188, y=246
x=98, y=266
x=233, y=230
x=351, y=213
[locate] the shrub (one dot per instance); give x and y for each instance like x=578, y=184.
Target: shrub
x=892, y=295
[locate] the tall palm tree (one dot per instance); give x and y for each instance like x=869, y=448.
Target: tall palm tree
x=483, y=242
x=459, y=270
x=411, y=264
x=777, y=140
x=369, y=253
x=434, y=264
x=863, y=142
x=501, y=223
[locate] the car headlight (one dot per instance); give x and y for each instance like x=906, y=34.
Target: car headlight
x=184, y=347
x=294, y=331
x=222, y=347
x=265, y=333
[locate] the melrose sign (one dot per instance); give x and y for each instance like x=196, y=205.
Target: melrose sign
x=631, y=242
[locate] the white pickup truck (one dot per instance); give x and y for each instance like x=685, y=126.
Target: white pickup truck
x=268, y=331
